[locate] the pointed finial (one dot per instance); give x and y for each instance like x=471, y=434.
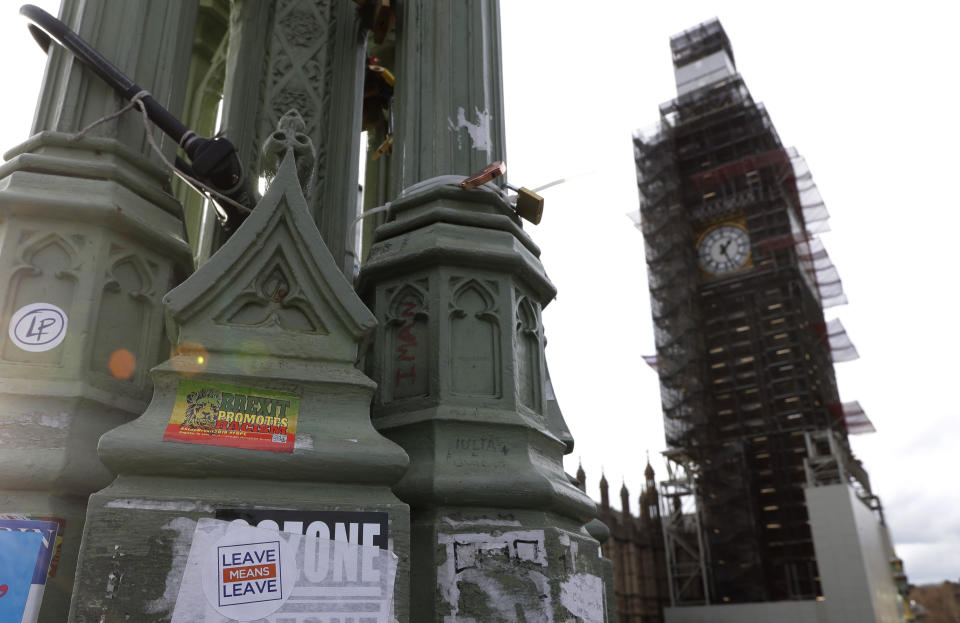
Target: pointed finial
x=290, y=135
x=604, y=490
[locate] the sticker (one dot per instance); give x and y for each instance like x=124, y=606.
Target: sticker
x=38, y=327
x=357, y=527
x=232, y=416
x=26, y=548
x=248, y=573
x=329, y=580
x=58, y=543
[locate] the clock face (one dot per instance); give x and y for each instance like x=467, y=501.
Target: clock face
x=724, y=249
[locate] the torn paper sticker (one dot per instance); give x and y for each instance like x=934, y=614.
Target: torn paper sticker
x=236, y=572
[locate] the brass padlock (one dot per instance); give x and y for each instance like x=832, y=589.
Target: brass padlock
x=529, y=204
x=385, y=147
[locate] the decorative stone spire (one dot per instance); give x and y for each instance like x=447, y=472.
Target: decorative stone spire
x=307, y=55
x=290, y=136
x=581, y=477
x=624, y=500
x=604, y=491
x=261, y=410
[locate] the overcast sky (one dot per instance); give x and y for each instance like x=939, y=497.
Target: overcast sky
x=866, y=91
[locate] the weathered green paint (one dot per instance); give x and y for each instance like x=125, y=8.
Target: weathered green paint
x=306, y=55
x=457, y=287
x=87, y=225
x=599, y=531
x=303, y=339
x=449, y=93
x=204, y=90
x=497, y=527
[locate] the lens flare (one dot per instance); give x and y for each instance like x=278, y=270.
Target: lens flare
x=189, y=358
x=122, y=364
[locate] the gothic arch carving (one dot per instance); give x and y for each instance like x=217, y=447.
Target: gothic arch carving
x=50, y=254
x=474, y=339
x=131, y=274
x=528, y=339
x=407, y=353
x=46, y=271
x=126, y=320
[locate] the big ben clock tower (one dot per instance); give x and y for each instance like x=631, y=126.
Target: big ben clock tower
x=738, y=283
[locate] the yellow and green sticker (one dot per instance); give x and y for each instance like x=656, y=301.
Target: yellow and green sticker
x=233, y=416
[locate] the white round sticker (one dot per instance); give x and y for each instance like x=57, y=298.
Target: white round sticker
x=249, y=572
x=38, y=327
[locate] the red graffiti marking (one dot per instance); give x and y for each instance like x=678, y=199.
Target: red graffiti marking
x=411, y=374
x=409, y=341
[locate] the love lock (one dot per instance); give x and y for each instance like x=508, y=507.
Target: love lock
x=528, y=204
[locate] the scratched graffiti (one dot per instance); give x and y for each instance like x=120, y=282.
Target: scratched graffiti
x=407, y=332
x=406, y=353
x=479, y=453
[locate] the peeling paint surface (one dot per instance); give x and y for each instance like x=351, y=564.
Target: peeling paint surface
x=496, y=573
x=61, y=420
x=482, y=522
x=160, y=505
x=335, y=581
x=24, y=428
x=479, y=131
x=582, y=595
x=184, y=528
x=303, y=441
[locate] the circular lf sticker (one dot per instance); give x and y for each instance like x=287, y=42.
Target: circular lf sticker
x=38, y=327
x=248, y=573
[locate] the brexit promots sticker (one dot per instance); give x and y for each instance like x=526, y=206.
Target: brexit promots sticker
x=248, y=573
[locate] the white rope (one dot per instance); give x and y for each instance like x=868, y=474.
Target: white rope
x=371, y=212
x=135, y=102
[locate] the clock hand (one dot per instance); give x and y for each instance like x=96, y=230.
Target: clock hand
x=723, y=249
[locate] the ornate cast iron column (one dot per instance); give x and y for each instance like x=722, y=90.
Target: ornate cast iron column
x=90, y=240
x=497, y=527
x=305, y=55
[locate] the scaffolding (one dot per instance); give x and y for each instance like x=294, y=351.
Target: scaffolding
x=745, y=359
x=687, y=568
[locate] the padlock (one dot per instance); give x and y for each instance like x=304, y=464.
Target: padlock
x=378, y=16
x=529, y=204
x=490, y=172
x=384, y=20
x=385, y=147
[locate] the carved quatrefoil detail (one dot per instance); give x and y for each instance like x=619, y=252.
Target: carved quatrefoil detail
x=274, y=299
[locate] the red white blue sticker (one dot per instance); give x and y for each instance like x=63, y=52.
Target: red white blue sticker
x=248, y=573
x=237, y=572
x=26, y=548
x=38, y=327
